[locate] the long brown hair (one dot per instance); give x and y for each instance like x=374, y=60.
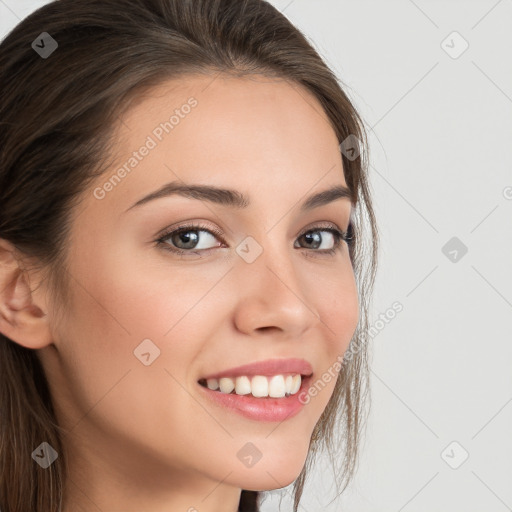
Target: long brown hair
x=56, y=134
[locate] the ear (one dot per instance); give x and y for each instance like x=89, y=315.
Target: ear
x=23, y=316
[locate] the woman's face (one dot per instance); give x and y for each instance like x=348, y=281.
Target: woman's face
x=145, y=324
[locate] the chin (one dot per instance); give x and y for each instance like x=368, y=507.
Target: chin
x=269, y=482
x=278, y=471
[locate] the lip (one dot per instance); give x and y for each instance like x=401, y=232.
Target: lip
x=266, y=368
x=259, y=409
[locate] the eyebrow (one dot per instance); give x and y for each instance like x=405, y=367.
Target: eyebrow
x=235, y=199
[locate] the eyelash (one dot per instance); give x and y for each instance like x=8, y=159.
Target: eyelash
x=339, y=236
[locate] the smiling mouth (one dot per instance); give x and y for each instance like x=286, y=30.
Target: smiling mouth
x=258, y=386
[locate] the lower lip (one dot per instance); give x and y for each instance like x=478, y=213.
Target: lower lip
x=260, y=409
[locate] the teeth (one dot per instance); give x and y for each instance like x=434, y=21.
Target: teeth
x=295, y=384
x=226, y=385
x=289, y=383
x=243, y=386
x=276, y=386
x=259, y=386
x=212, y=384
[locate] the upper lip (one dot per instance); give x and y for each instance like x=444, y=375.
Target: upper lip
x=268, y=367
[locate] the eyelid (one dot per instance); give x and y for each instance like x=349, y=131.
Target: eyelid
x=199, y=226
x=319, y=226
x=190, y=226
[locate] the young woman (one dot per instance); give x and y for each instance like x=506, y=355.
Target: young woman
x=184, y=271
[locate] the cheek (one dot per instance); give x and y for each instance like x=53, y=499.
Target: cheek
x=114, y=309
x=143, y=297
x=333, y=295
x=337, y=303
x=120, y=306
x=338, y=306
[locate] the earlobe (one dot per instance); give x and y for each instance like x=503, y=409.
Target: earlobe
x=21, y=319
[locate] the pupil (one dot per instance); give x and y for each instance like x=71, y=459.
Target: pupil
x=185, y=237
x=314, y=237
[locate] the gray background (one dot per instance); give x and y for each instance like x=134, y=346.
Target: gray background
x=441, y=152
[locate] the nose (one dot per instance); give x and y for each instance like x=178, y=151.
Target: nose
x=272, y=296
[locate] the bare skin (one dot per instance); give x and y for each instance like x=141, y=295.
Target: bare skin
x=143, y=437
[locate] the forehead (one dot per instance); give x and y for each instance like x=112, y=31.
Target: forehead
x=229, y=110
x=251, y=133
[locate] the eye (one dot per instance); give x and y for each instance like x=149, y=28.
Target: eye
x=197, y=238
x=331, y=241
x=187, y=239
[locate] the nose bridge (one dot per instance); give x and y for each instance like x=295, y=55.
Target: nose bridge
x=267, y=262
